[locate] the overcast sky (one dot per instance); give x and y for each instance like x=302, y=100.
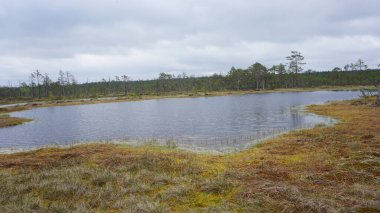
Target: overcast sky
x=97, y=39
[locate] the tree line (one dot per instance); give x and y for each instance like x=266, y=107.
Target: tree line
x=255, y=77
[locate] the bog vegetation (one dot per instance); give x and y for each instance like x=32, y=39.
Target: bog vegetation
x=326, y=169
x=255, y=77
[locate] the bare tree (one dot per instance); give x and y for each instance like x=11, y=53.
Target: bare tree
x=38, y=77
x=353, y=67
x=360, y=65
x=74, y=83
x=117, y=79
x=10, y=86
x=61, y=82
x=104, y=86
x=69, y=77
x=346, y=67
x=68, y=80
x=109, y=86
x=19, y=89
x=32, y=84
x=46, y=82
x=87, y=87
x=125, y=79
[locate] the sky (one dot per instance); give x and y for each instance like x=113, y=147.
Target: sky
x=95, y=39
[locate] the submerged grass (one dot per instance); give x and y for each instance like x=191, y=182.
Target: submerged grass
x=325, y=169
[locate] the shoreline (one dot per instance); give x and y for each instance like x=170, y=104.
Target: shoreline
x=163, y=143
x=14, y=107
x=111, y=99
x=8, y=121
x=178, y=144
x=296, y=170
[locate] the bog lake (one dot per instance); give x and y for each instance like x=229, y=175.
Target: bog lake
x=207, y=123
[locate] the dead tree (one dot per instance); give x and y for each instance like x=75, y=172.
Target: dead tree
x=125, y=79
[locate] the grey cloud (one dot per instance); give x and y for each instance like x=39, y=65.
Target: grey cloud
x=101, y=38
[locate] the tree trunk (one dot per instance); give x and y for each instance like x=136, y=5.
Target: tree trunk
x=61, y=94
x=32, y=92
x=378, y=97
x=46, y=91
x=125, y=89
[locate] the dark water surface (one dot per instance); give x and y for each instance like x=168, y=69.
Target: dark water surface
x=201, y=121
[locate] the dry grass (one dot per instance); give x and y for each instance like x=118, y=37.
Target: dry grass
x=318, y=170
x=326, y=169
x=6, y=120
x=105, y=178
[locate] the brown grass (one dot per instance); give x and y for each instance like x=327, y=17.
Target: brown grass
x=325, y=169
x=317, y=170
x=6, y=120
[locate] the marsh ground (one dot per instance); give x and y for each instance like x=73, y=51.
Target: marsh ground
x=325, y=169
x=6, y=120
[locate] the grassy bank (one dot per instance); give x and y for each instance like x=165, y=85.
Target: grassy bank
x=11, y=121
x=6, y=120
x=325, y=169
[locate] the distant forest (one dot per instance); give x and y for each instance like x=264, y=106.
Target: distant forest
x=255, y=77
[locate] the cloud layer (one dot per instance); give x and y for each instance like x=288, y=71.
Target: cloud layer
x=97, y=39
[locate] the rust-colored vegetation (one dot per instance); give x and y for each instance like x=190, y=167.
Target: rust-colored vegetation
x=325, y=169
x=6, y=120
x=319, y=170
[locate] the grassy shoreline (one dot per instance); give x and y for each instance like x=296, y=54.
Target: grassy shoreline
x=6, y=121
x=59, y=102
x=325, y=169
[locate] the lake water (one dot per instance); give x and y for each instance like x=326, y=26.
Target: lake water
x=215, y=123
